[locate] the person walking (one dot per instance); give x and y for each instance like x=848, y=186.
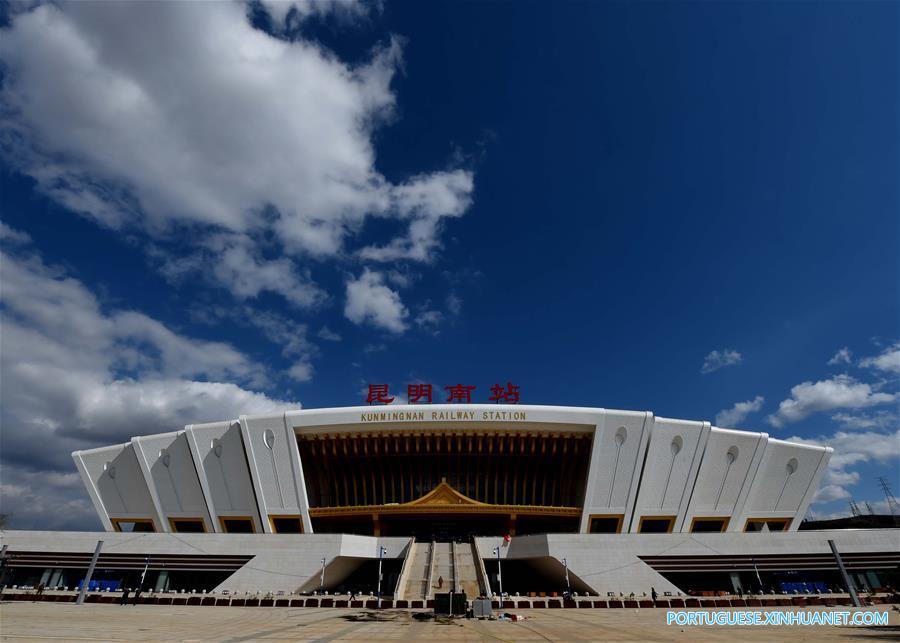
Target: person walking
x=440, y=582
x=137, y=596
x=653, y=594
x=124, y=600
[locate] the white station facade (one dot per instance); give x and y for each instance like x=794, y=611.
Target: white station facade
x=394, y=498
x=639, y=473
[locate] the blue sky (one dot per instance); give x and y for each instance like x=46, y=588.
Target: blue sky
x=216, y=209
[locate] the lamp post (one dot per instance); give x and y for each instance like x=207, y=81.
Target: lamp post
x=568, y=587
x=90, y=572
x=381, y=552
x=322, y=579
x=499, y=573
x=144, y=573
x=758, y=579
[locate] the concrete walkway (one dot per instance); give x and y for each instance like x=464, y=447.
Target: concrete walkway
x=56, y=622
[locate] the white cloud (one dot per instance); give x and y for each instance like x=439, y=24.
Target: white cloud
x=76, y=376
x=46, y=500
x=280, y=11
x=328, y=335
x=451, y=190
x=370, y=301
x=839, y=392
x=843, y=356
x=852, y=448
x=888, y=360
x=182, y=120
x=430, y=319
x=454, y=304
x=720, y=359
x=830, y=493
x=737, y=413
x=13, y=236
x=881, y=420
x=291, y=337
x=301, y=371
x=237, y=266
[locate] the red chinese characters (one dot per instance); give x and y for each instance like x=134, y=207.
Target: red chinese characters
x=378, y=394
x=456, y=394
x=418, y=393
x=460, y=393
x=509, y=395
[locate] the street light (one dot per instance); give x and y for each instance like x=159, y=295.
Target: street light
x=144, y=574
x=499, y=574
x=568, y=588
x=381, y=552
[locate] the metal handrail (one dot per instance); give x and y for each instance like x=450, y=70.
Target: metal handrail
x=454, y=559
x=428, y=578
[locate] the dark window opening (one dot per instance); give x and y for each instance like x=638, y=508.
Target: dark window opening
x=709, y=525
x=237, y=525
x=287, y=525
x=188, y=526
x=775, y=524
x=655, y=525
x=605, y=525
x=138, y=526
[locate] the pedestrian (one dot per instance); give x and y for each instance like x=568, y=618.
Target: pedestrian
x=40, y=589
x=653, y=594
x=125, y=592
x=440, y=582
x=137, y=595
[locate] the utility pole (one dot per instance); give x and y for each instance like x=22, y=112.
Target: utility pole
x=381, y=552
x=499, y=574
x=854, y=509
x=90, y=572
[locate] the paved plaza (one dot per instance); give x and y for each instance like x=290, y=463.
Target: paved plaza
x=56, y=622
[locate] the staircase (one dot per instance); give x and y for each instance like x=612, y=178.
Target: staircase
x=454, y=563
x=443, y=569
x=416, y=585
x=466, y=571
